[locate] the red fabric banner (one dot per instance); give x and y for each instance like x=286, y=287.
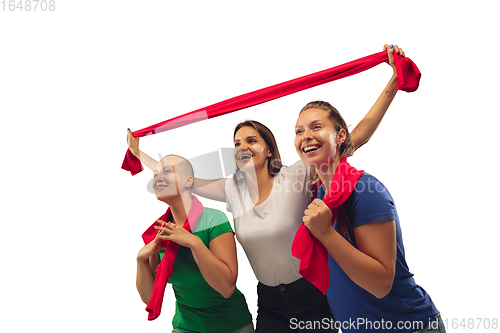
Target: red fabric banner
x=408, y=80
x=166, y=266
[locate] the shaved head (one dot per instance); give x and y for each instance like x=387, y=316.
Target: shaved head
x=182, y=166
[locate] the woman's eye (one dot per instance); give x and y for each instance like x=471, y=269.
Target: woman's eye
x=154, y=176
x=317, y=127
x=297, y=132
x=236, y=145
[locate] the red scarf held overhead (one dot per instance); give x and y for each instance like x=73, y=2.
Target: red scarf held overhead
x=408, y=80
x=166, y=266
x=312, y=254
x=132, y=163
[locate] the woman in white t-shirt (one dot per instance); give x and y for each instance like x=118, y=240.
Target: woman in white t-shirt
x=268, y=201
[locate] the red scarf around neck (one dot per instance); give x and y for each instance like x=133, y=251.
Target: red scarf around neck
x=312, y=254
x=408, y=80
x=166, y=266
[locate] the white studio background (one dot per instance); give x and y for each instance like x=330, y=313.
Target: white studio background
x=74, y=79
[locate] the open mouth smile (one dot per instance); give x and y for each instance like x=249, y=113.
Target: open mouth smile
x=244, y=156
x=160, y=187
x=310, y=149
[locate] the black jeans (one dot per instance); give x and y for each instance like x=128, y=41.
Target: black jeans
x=295, y=307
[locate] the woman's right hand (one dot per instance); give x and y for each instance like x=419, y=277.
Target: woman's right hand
x=133, y=143
x=148, y=250
x=390, y=53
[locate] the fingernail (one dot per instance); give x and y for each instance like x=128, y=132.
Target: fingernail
x=128, y=129
x=391, y=46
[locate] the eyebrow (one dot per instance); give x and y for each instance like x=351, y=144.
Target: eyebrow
x=248, y=137
x=312, y=123
x=163, y=168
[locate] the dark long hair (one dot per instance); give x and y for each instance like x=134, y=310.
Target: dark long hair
x=274, y=163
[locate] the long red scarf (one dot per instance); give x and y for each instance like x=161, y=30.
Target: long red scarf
x=166, y=267
x=312, y=254
x=408, y=80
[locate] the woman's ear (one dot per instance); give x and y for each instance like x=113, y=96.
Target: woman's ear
x=189, y=182
x=341, y=136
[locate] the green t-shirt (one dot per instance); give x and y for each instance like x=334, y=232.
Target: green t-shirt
x=199, y=308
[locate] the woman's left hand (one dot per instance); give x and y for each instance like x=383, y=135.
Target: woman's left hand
x=318, y=219
x=177, y=234
x=390, y=53
x=133, y=143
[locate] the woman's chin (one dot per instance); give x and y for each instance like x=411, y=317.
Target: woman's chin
x=246, y=167
x=165, y=197
x=318, y=161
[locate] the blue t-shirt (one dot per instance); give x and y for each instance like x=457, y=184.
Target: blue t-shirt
x=407, y=307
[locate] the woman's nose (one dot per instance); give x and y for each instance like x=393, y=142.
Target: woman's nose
x=306, y=135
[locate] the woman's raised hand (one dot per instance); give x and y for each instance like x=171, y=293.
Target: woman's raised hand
x=133, y=143
x=390, y=53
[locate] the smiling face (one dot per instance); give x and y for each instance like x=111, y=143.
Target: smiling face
x=171, y=177
x=251, y=150
x=316, y=139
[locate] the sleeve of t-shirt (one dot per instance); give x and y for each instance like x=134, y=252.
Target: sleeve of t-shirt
x=371, y=202
x=219, y=224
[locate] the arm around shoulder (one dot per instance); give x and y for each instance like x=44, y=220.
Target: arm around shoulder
x=214, y=189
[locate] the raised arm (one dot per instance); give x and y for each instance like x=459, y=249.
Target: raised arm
x=368, y=125
x=214, y=189
x=217, y=263
x=133, y=146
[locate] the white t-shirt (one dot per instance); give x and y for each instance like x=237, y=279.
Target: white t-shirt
x=266, y=231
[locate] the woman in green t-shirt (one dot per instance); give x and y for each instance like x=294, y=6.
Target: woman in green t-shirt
x=205, y=267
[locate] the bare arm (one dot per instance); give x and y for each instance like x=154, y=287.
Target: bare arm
x=372, y=265
x=217, y=263
x=147, y=261
x=369, y=124
x=214, y=189
x=133, y=146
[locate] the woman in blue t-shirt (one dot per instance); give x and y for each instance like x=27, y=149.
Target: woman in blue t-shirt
x=371, y=288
